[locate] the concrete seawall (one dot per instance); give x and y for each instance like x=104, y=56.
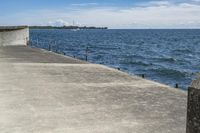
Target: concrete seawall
x=43, y=92
x=14, y=35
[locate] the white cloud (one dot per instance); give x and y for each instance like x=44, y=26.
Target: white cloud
x=155, y=3
x=159, y=14
x=84, y=4
x=159, y=3
x=58, y=23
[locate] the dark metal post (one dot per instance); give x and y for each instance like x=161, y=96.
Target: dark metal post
x=49, y=46
x=86, y=53
x=176, y=86
x=193, y=110
x=143, y=76
x=56, y=46
x=37, y=42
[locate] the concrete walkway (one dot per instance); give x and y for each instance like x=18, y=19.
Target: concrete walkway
x=42, y=92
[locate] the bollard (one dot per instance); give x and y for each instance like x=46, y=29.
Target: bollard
x=143, y=76
x=176, y=86
x=55, y=44
x=86, y=53
x=86, y=57
x=37, y=42
x=49, y=46
x=193, y=109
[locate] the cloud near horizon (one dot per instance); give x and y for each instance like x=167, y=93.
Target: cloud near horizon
x=153, y=14
x=84, y=4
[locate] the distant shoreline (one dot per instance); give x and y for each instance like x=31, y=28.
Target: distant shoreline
x=66, y=27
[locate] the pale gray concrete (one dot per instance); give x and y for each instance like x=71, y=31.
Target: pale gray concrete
x=42, y=92
x=196, y=83
x=14, y=36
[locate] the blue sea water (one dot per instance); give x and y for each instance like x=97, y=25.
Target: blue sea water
x=166, y=56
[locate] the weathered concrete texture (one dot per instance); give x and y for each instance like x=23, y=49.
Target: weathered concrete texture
x=76, y=97
x=14, y=36
x=193, y=116
x=196, y=83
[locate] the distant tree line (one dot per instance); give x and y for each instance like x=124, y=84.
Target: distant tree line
x=66, y=27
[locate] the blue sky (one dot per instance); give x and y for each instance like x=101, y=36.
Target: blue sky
x=110, y=13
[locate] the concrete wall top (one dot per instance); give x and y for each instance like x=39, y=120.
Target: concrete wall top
x=14, y=35
x=11, y=28
x=196, y=83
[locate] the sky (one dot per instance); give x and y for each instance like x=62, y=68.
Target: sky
x=116, y=14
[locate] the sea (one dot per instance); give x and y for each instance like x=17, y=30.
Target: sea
x=168, y=56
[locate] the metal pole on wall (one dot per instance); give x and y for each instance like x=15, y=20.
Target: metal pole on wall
x=86, y=53
x=50, y=46
x=37, y=42
x=55, y=44
x=193, y=110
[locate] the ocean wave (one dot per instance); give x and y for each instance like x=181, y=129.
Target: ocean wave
x=182, y=51
x=163, y=59
x=168, y=59
x=131, y=62
x=171, y=73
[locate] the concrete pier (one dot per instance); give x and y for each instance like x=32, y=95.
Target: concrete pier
x=43, y=92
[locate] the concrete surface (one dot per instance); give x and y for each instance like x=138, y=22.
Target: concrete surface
x=42, y=92
x=196, y=83
x=14, y=36
x=193, y=116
